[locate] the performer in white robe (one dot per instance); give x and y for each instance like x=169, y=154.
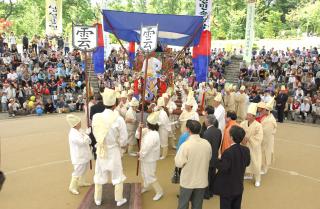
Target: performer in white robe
x=187, y=114
x=219, y=111
x=171, y=106
x=164, y=127
x=132, y=125
x=110, y=131
x=149, y=154
x=80, y=153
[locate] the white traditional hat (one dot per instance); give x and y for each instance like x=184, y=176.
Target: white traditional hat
x=283, y=88
x=190, y=101
x=132, y=85
x=218, y=98
x=234, y=87
x=73, y=120
x=252, y=109
x=123, y=94
x=160, y=102
x=262, y=105
x=109, y=97
x=191, y=93
x=130, y=91
x=242, y=88
x=127, y=84
x=134, y=102
x=270, y=104
x=165, y=95
x=153, y=118
x=227, y=87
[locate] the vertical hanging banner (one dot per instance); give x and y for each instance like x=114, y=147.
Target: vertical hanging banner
x=85, y=38
x=249, y=32
x=203, y=8
x=54, y=17
x=201, y=53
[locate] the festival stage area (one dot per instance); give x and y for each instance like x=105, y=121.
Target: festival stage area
x=35, y=158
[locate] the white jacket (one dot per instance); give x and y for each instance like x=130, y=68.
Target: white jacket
x=150, y=145
x=80, y=152
x=219, y=113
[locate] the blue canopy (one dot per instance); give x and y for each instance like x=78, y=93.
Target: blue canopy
x=174, y=30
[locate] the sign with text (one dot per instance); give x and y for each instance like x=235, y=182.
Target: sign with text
x=148, y=38
x=249, y=33
x=203, y=8
x=85, y=38
x=53, y=17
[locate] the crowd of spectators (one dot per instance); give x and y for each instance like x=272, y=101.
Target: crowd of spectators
x=297, y=69
x=44, y=77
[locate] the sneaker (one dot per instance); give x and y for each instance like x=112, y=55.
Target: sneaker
x=97, y=202
x=121, y=202
x=73, y=191
x=257, y=184
x=248, y=177
x=157, y=196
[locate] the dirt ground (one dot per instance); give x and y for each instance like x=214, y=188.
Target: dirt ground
x=35, y=158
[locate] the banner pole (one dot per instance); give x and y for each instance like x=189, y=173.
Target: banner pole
x=142, y=108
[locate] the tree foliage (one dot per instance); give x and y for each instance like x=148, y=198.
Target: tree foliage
x=274, y=18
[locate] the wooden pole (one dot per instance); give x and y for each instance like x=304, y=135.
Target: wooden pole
x=142, y=107
x=87, y=92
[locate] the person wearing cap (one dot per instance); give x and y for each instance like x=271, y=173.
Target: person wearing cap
x=253, y=140
x=241, y=106
x=110, y=131
x=130, y=95
x=170, y=105
x=281, y=101
x=269, y=126
x=80, y=153
x=193, y=157
x=149, y=154
x=123, y=104
x=132, y=125
x=228, y=183
x=229, y=99
x=187, y=114
x=190, y=98
x=210, y=94
x=219, y=111
x=164, y=127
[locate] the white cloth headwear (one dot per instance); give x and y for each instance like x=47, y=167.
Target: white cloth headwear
x=73, y=120
x=218, y=98
x=109, y=97
x=134, y=102
x=153, y=118
x=252, y=109
x=160, y=102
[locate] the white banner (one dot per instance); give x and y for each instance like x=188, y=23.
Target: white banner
x=149, y=38
x=203, y=8
x=84, y=38
x=249, y=33
x=54, y=17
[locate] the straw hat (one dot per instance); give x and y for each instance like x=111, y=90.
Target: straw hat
x=262, y=105
x=242, y=88
x=160, y=102
x=252, y=109
x=73, y=120
x=218, y=98
x=134, y=102
x=123, y=94
x=109, y=97
x=153, y=118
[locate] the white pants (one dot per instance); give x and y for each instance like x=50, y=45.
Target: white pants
x=131, y=136
x=110, y=166
x=164, y=134
x=148, y=173
x=79, y=169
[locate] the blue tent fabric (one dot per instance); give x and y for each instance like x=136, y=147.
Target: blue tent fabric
x=174, y=30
